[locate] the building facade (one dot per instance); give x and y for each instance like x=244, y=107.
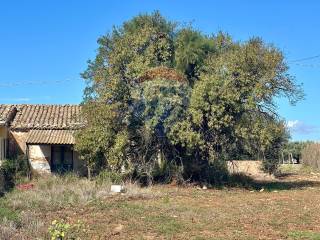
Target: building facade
x=44, y=134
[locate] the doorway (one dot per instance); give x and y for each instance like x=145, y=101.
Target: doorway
x=61, y=158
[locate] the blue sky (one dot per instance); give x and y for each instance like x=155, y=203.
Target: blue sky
x=44, y=45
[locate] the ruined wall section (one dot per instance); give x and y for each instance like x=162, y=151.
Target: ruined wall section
x=40, y=157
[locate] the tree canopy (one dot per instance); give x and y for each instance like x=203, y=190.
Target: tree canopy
x=165, y=101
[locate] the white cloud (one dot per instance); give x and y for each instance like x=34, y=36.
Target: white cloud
x=300, y=127
x=292, y=123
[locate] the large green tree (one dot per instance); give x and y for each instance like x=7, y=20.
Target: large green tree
x=232, y=105
x=159, y=96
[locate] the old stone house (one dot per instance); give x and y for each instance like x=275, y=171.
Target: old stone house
x=43, y=133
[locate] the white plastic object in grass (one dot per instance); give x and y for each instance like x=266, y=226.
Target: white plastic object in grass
x=117, y=188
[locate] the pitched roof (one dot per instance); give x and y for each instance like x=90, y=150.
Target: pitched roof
x=50, y=137
x=6, y=113
x=47, y=117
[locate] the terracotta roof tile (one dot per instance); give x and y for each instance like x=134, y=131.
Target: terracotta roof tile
x=50, y=137
x=47, y=117
x=6, y=113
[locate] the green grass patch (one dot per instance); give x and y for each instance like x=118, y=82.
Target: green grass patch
x=297, y=169
x=9, y=214
x=128, y=210
x=166, y=225
x=304, y=235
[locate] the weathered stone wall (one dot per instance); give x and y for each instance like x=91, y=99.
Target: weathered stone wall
x=3, y=132
x=39, y=155
x=39, y=158
x=18, y=142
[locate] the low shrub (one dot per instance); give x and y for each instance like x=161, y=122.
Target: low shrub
x=112, y=177
x=240, y=180
x=270, y=165
x=61, y=230
x=14, y=171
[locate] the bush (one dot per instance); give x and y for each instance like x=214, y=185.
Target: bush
x=111, y=177
x=14, y=171
x=216, y=173
x=60, y=230
x=167, y=171
x=270, y=165
x=7, y=174
x=213, y=173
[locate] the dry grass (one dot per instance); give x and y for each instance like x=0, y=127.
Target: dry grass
x=250, y=168
x=311, y=155
x=57, y=192
x=28, y=226
x=26, y=214
x=286, y=209
x=54, y=193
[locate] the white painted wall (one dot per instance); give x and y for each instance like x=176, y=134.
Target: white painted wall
x=39, y=158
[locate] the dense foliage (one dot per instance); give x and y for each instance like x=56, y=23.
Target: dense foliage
x=13, y=171
x=163, y=102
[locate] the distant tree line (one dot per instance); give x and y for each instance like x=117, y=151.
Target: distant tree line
x=165, y=101
x=292, y=151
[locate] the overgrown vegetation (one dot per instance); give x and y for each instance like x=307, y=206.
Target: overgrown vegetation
x=60, y=230
x=13, y=171
x=311, y=155
x=68, y=207
x=20, y=208
x=164, y=102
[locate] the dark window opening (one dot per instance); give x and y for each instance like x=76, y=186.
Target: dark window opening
x=61, y=158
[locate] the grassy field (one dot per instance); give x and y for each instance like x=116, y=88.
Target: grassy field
x=287, y=208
